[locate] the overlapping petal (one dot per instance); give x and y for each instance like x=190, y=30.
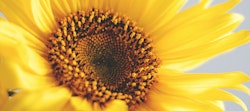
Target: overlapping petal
x=206, y=32
x=24, y=19
x=178, y=91
x=78, y=104
x=43, y=17
x=19, y=61
x=45, y=100
x=116, y=105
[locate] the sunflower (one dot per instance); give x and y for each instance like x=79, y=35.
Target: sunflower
x=108, y=55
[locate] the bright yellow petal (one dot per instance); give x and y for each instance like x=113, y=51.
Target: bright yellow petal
x=41, y=100
x=158, y=101
x=220, y=104
x=201, y=32
x=116, y=105
x=196, y=83
x=193, y=31
x=18, y=45
x=14, y=76
x=16, y=34
x=184, y=60
x=224, y=96
x=147, y=13
x=197, y=12
x=24, y=18
x=78, y=104
x=65, y=7
x=18, y=60
x=157, y=14
x=43, y=16
x=202, y=90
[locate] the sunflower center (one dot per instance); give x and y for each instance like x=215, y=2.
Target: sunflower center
x=102, y=56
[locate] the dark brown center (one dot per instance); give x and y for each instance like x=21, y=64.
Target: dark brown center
x=102, y=56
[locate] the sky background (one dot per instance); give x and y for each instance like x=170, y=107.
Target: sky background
x=236, y=60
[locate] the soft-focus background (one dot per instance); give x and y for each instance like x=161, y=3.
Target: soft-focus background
x=236, y=60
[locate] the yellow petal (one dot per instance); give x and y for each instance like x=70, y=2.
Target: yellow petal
x=142, y=107
x=24, y=19
x=76, y=5
x=18, y=45
x=43, y=16
x=24, y=57
x=199, y=11
x=158, y=101
x=96, y=107
x=12, y=32
x=193, y=31
x=3, y=96
x=101, y=5
x=62, y=7
x=147, y=13
x=201, y=32
x=97, y=4
x=202, y=90
x=184, y=60
x=14, y=76
x=197, y=83
x=220, y=104
x=224, y=96
x=157, y=14
x=39, y=100
x=18, y=60
x=78, y=104
x=19, y=65
x=116, y=105
x=225, y=7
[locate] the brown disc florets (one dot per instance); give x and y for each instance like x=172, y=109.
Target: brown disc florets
x=102, y=56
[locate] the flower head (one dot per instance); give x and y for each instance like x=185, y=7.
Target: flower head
x=117, y=54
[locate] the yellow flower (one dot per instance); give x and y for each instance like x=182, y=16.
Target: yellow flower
x=111, y=55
